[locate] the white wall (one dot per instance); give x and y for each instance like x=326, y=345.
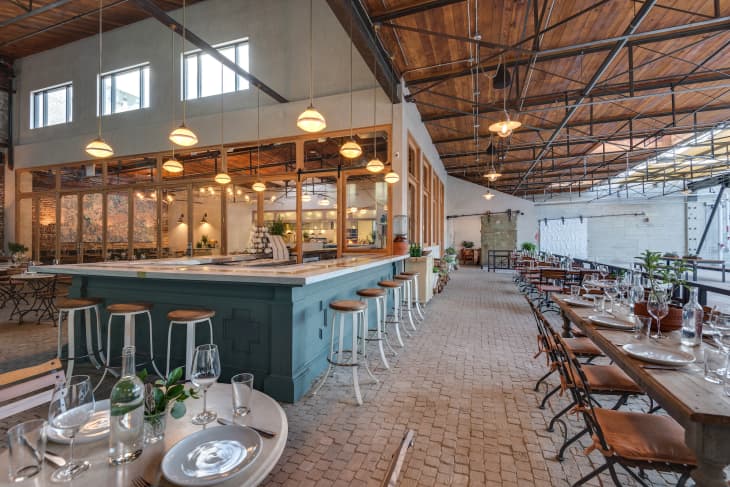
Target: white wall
x=279, y=53
x=618, y=239
x=464, y=197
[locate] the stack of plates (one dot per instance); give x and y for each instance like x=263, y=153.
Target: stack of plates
x=610, y=322
x=580, y=302
x=657, y=355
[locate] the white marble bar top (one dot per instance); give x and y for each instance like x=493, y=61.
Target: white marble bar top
x=228, y=268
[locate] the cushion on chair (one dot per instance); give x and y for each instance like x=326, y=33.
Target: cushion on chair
x=644, y=437
x=582, y=347
x=609, y=378
x=190, y=314
x=348, y=305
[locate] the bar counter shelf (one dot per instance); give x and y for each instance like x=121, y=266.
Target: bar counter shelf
x=271, y=317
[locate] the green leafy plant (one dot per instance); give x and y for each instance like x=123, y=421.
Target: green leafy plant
x=528, y=246
x=166, y=393
x=450, y=251
x=658, y=273
x=17, y=248
x=277, y=227
x=467, y=244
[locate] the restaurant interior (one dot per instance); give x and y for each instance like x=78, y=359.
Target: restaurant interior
x=364, y=242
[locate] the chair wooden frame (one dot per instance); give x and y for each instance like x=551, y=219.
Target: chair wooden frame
x=19, y=389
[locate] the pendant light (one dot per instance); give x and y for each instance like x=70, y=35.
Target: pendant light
x=182, y=135
x=172, y=165
x=324, y=201
x=504, y=128
x=375, y=165
x=492, y=175
x=351, y=149
x=307, y=197
x=392, y=177
x=488, y=195
x=311, y=120
x=98, y=147
x=222, y=177
x=259, y=185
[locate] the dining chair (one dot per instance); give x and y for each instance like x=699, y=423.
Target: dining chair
x=30, y=387
x=631, y=440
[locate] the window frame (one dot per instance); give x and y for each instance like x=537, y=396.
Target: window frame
x=43, y=92
x=144, y=92
x=240, y=81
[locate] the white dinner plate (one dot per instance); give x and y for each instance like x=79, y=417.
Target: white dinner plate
x=581, y=303
x=657, y=355
x=211, y=456
x=610, y=322
x=97, y=428
x=708, y=332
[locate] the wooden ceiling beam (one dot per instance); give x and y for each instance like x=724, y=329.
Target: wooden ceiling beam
x=33, y=12
x=152, y=9
x=721, y=24
x=398, y=12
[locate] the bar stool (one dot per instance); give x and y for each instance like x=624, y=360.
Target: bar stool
x=378, y=295
x=190, y=318
x=395, y=287
x=129, y=312
x=356, y=310
x=407, y=297
x=70, y=306
x=416, y=301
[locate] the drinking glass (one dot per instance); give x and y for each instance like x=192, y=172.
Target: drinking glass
x=612, y=293
x=26, y=449
x=242, y=385
x=658, y=307
x=205, y=371
x=715, y=365
x=599, y=303
x=603, y=271
x=575, y=291
x=642, y=326
x=72, y=405
x=720, y=326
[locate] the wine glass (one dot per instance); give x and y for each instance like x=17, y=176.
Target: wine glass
x=206, y=370
x=72, y=405
x=603, y=271
x=658, y=307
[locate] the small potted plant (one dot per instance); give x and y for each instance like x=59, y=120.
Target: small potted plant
x=16, y=250
x=163, y=396
x=528, y=246
x=277, y=227
x=467, y=244
x=663, y=281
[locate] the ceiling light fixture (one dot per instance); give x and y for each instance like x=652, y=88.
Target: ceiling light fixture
x=504, y=128
x=98, y=147
x=351, y=149
x=172, y=165
x=375, y=165
x=306, y=197
x=324, y=201
x=392, y=177
x=492, y=175
x=259, y=185
x=222, y=177
x=311, y=120
x=182, y=135
x=204, y=219
x=488, y=195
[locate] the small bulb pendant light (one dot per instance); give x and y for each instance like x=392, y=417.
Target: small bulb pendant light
x=351, y=149
x=172, y=165
x=182, y=135
x=310, y=119
x=392, y=177
x=98, y=147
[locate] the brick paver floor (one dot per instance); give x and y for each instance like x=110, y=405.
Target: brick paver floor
x=464, y=383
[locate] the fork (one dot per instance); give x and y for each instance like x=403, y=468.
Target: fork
x=140, y=482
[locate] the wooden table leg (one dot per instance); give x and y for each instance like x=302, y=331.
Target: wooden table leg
x=710, y=444
x=566, y=326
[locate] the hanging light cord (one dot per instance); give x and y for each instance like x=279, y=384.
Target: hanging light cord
x=375, y=106
x=258, y=130
x=311, y=54
x=351, y=75
x=101, y=83
x=185, y=71
x=172, y=91
x=221, y=97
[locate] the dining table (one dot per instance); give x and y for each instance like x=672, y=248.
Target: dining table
x=701, y=407
x=146, y=470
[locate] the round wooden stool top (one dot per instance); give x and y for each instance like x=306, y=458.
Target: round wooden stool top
x=373, y=292
x=122, y=308
x=414, y=274
x=390, y=284
x=184, y=315
x=403, y=277
x=72, y=303
x=348, y=305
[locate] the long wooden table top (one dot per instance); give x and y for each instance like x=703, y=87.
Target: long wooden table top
x=683, y=392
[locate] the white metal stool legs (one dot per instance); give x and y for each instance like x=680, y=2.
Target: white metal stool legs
x=406, y=303
x=417, y=300
x=71, y=332
x=396, y=316
x=189, y=342
x=378, y=329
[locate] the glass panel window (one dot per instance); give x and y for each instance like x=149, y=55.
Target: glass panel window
x=202, y=76
x=366, y=214
x=145, y=225
x=117, y=225
x=126, y=90
x=51, y=106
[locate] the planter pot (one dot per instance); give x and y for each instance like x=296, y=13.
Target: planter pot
x=154, y=428
x=401, y=246
x=671, y=322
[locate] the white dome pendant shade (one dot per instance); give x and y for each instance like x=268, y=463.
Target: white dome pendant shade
x=375, y=165
x=392, y=177
x=311, y=120
x=488, y=195
x=351, y=149
x=99, y=148
x=172, y=165
x=222, y=178
x=183, y=136
x=258, y=186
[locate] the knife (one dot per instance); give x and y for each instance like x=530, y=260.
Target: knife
x=263, y=432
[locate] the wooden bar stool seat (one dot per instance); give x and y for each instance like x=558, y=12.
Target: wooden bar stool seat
x=124, y=308
x=189, y=318
x=390, y=284
x=371, y=292
x=348, y=305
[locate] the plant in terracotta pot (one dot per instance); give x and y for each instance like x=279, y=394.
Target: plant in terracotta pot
x=664, y=280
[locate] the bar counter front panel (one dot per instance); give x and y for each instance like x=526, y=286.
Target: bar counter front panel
x=273, y=327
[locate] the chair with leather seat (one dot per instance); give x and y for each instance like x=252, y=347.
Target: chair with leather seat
x=631, y=440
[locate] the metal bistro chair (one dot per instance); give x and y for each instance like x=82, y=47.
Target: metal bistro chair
x=28, y=388
x=630, y=439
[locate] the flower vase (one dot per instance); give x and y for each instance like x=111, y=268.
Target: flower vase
x=154, y=427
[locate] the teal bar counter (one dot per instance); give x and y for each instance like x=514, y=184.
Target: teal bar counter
x=270, y=320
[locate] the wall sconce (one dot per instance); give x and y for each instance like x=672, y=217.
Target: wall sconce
x=204, y=219
x=182, y=218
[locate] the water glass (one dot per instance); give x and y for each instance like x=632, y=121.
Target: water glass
x=242, y=385
x=715, y=365
x=599, y=303
x=575, y=291
x=642, y=326
x=26, y=448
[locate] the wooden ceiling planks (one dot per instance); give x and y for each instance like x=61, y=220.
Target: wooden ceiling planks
x=67, y=23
